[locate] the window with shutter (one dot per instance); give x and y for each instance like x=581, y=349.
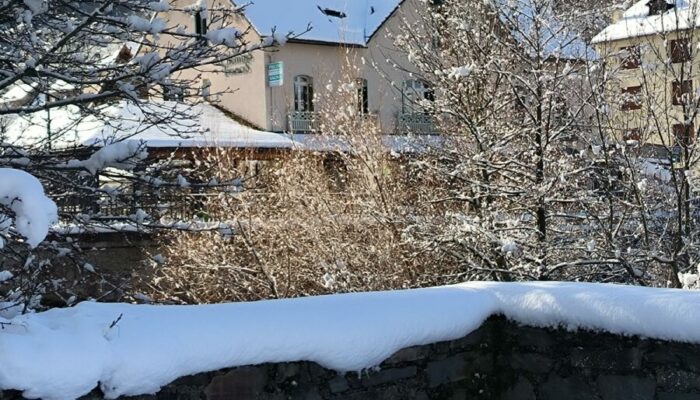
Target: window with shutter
x=200, y=24
x=631, y=57
x=631, y=98
x=682, y=92
x=679, y=51
x=684, y=134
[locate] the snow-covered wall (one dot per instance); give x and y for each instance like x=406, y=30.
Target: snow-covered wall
x=501, y=360
x=133, y=350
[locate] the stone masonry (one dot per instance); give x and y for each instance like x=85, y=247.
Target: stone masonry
x=501, y=360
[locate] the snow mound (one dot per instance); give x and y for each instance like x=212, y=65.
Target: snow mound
x=136, y=349
x=34, y=213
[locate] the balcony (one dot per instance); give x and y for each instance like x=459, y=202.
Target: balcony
x=309, y=121
x=303, y=122
x=416, y=123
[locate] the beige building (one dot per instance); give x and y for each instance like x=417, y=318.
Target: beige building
x=650, y=49
x=281, y=89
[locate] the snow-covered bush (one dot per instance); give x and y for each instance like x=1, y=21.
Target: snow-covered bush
x=512, y=83
x=556, y=186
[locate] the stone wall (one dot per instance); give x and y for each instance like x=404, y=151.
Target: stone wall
x=501, y=360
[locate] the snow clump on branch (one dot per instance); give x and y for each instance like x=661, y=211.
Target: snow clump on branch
x=34, y=213
x=225, y=36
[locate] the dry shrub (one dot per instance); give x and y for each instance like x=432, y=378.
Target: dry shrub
x=309, y=222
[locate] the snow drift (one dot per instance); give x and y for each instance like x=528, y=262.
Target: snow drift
x=136, y=349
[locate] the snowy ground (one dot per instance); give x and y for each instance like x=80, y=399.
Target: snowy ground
x=136, y=349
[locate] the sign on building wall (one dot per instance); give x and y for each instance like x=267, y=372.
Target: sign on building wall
x=238, y=65
x=275, y=74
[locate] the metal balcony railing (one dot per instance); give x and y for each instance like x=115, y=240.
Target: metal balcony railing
x=417, y=123
x=302, y=122
x=309, y=121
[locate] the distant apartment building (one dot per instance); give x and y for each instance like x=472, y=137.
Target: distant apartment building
x=651, y=50
x=335, y=41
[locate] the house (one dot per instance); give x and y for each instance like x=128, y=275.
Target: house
x=332, y=41
x=321, y=46
x=650, y=49
x=273, y=91
x=282, y=89
x=335, y=42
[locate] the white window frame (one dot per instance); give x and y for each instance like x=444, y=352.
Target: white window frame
x=303, y=93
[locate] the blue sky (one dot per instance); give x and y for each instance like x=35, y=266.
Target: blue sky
x=362, y=18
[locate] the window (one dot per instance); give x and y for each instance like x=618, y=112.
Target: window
x=125, y=55
x=679, y=51
x=303, y=93
x=684, y=134
x=631, y=98
x=632, y=134
x=337, y=172
x=142, y=91
x=200, y=23
x=172, y=93
x=682, y=92
x=362, y=96
x=631, y=57
x=413, y=93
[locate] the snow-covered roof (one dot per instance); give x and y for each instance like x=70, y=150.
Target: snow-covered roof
x=202, y=125
x=15, y=93
x=65, y=353
x=637, y=21
x=332, y=21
